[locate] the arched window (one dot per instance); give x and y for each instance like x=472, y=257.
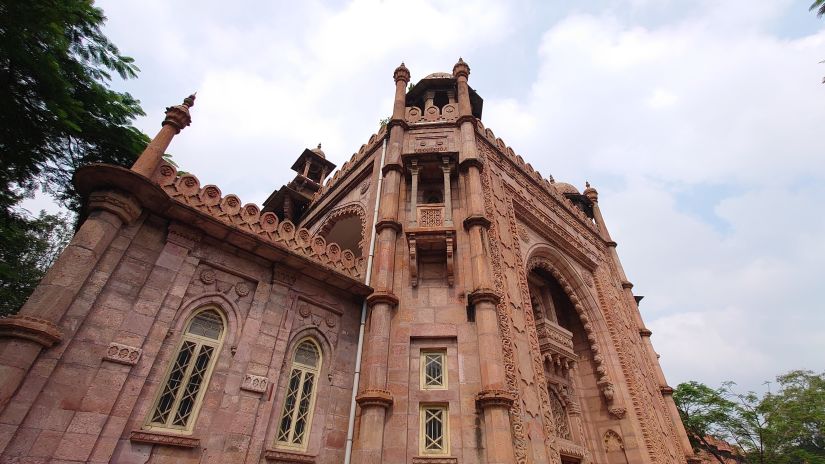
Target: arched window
x=184, y=384
x=296, y=417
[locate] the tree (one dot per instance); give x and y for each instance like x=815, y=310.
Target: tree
x=28, y=247
x=819, y=7
x=786, y=427
x=57, y=113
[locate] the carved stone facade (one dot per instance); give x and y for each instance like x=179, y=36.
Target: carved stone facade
x=181, y=325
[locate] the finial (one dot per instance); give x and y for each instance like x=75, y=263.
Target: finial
x=590, y=192
x=461, y=69
x=401, y=73
x=319, y=145
x=189, y=101
x=587, y=184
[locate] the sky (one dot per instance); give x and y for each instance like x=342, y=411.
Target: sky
x=699, y=122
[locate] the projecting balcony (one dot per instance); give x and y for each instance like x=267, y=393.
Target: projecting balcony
x=556, y=342
x=430, y=215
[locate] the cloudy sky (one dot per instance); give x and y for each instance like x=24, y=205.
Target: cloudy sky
x=696, y=120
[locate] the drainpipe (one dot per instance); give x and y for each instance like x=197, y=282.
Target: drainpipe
x=357, y=377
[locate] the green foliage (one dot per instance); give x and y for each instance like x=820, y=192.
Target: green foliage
x=56, y=109
x=57, y=113
x=28, y=247
x=819, y=7
x=785, y=427
x=384, y=122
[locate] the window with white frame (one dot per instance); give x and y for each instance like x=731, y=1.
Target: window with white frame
x=184, y=385
x=433, y=370
x=434, y=435
x=296, y=416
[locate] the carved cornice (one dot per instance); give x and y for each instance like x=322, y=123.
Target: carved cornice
x=374, y=397
x=121, y=204
x=495, y=398
x=645, y=332
x=40, y=331
x=122, y=354
x=476, y=220
x=182, y=235
x=626, y=284
x=481, y=295
x=156, y=438
x=287, y=457
x=387, y=298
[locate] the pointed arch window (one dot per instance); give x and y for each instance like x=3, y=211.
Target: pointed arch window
x=178, y=402
x=296, y=416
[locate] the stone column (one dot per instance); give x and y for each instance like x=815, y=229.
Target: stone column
x=644, y=332
x=374, y=397
x=493, y=399
x=414, y=193
x=448, y=197
x=177, y=117
x=35, y=327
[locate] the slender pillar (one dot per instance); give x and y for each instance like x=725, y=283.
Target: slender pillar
x=493, y=399
x=644, y=332
x=414, y=193
x=177, y=117
x=448, y=198
x=374, y=397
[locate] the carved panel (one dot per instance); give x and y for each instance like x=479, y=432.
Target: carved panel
x=123, y=354
x=255, y=383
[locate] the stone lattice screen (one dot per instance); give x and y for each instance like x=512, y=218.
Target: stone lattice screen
x=186, y=189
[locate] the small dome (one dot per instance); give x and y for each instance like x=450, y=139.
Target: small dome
x=439, y=75
x=563, y=187
x=319, y=152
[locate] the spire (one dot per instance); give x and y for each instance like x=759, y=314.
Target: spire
x=319, y=152
x=401, y=73
x=177, y=117
x=461, y=69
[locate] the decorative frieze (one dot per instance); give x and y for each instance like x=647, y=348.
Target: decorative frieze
x=254, y=383
x=123, y=354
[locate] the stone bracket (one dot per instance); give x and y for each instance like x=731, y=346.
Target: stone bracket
x=495, y=398
x=442, y=239
x=483, y=294
x=38, y=330
x=375, y=397
x=254, y=383
x=122, y=354
x=156, y=438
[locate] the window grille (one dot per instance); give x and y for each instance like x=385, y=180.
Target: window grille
x=299, y=402
x=433, y=370
x=183, y=388
x=434, y=430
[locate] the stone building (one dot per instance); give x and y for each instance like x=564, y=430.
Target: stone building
x=435, y=301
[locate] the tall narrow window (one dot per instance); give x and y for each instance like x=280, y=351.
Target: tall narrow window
x=434, y=430
x=184, y=385
x=433, y=370
x=296, y=417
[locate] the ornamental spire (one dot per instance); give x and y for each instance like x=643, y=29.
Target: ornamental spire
x=177, y=117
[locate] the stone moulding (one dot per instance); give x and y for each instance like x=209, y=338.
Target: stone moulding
x=434, y=460
x=121, y=204
x=374, y=397
x=122, y=354
x=254, y=383
x=40, y=331
x=287, y=457
x=156, y=438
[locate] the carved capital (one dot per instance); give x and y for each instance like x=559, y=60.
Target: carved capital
x=467, y=163
x=121, y=204
x=387, y=224
x=254, y=383
x=163, y=439
x=387, y=298
x=122, y=354
x=626, y=284
x=38, y=330
x=389, y=167
x=476, y=220
x=178, y=117
x=374, y=397
x=495, y=398
x=182, y=235
x=483, y=294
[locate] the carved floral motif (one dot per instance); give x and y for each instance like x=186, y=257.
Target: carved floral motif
x=123, y=354
x=255, y=383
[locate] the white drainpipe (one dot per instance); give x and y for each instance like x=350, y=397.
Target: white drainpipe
x=357, y=377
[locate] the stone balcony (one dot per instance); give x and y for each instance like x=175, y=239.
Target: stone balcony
x=556, y=342
x=430, y=215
